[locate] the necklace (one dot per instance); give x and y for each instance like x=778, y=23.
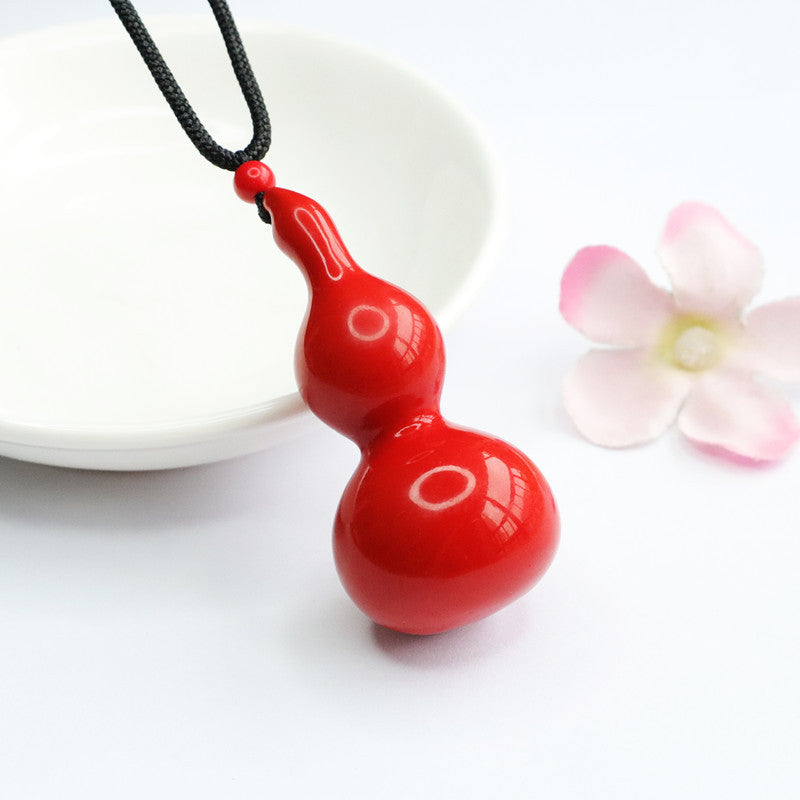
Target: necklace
x=439, y=525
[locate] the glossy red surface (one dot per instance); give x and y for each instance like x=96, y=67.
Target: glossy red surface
x=440, y=525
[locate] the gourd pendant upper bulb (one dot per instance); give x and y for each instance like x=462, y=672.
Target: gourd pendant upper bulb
x=439, y=525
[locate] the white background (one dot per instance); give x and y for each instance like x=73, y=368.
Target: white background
x=183, y=634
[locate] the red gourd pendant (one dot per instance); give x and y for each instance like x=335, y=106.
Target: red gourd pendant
x=439, y=525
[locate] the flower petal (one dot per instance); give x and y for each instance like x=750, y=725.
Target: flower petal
x=729, y=410
x=618, y=398
x=773, y=337
x=606, y=295
x=713, y=268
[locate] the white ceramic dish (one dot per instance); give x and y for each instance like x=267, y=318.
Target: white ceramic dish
x=147, y=320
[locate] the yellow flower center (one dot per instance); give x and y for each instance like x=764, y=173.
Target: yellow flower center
x=697, y=348
x=691, y=343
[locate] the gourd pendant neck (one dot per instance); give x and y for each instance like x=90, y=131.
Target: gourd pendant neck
x=306, y=233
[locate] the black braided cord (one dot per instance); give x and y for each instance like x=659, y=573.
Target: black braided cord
x=195, y=130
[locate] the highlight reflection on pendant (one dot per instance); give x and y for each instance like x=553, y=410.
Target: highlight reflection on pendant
x=418, y=488
x=367, y=323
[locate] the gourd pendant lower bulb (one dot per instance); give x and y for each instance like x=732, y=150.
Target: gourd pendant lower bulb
x=440, y=525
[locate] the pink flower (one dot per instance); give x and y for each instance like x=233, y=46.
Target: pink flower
x=691, y=354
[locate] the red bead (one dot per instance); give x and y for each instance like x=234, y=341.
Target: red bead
x=439, y=526
x=252, y=178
